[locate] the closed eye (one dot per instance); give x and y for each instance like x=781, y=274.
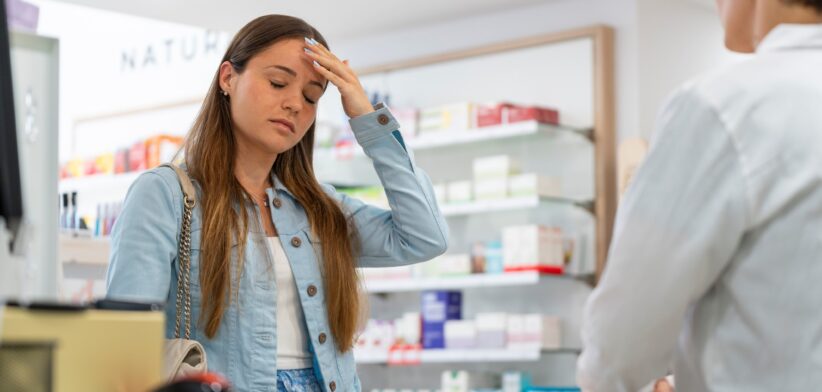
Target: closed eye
x=278, y=86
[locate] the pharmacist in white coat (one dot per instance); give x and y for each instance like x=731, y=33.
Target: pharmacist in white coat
x=715, y=270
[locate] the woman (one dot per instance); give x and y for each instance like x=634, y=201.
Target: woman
x=274, y=285
x=715, y=262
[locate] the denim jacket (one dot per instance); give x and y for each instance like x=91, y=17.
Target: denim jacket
x=143, y=263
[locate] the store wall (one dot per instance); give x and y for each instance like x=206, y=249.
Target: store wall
x=517, y=23
x=112, y=62
x=678, y=39
x=659, y=45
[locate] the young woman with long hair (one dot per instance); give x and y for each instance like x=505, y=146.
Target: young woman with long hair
x=275, y=291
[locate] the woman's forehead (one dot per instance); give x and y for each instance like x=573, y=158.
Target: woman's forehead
x=287, y=53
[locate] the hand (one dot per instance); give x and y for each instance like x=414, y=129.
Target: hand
x=354, y=99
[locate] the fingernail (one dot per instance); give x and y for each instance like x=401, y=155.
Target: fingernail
x=308, y=51
x=310, y=41
x=313, y=41
x=316, y=64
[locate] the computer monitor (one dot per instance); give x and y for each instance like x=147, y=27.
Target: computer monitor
x=11, y=203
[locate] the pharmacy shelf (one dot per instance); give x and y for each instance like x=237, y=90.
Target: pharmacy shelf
x=456, y=282
x=98, y=181
x=518, y=203
x=470, y=136
x=328, y=170
x=84, y=250
x=350, y=172
x=493, y=133
x=466, y=355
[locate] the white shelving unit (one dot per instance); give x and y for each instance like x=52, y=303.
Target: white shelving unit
x=485, y=134
x=84, y=250
x=98, y=181
x=356, y=170
x=519, y=203
x=569, y=71
x=456, y=282
x=471, y=136
x=465, y=356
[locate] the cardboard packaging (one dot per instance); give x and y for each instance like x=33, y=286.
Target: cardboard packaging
x=491, y=330
x=437, y=308
x=460, y=334
x=528, y=113
x=533, y=248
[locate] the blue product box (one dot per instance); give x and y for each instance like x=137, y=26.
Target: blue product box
x=493, y=258
x=437, y=308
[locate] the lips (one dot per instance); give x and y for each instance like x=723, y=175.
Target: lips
x=286, y=123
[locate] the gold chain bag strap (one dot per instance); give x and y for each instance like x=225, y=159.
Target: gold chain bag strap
x=184, y=356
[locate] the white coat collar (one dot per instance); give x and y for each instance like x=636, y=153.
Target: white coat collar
x=792, y=36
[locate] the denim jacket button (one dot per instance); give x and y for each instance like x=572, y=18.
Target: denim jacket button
x=296, y=242
x=312, y=290
x=382, y=119
x=322, y=338
x=277, y=202
x=333, y=386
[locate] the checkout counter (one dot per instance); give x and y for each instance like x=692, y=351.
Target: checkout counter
x=77, y=349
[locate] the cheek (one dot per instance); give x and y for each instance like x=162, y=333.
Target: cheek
x=306, y=119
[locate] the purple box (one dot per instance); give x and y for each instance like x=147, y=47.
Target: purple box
x=437, y=307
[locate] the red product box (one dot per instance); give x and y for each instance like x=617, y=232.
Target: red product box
x=121, y=162
x=490, y=115
x=137, y=157
x=541, y=115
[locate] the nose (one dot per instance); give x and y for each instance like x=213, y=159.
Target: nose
x=293, y=102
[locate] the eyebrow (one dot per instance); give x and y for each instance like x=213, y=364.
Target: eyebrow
x=294, y=73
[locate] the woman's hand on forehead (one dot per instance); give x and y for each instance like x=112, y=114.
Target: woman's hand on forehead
x=354, y=99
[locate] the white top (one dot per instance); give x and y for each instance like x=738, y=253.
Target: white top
x=292, y=338
x=716, y=262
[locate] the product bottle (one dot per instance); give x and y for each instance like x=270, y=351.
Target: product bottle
x=73, y=215
x=98, y=219
x=64, y=211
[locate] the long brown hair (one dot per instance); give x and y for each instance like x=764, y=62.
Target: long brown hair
x=210, y=150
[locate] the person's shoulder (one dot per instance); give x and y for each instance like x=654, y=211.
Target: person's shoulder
x=734, y=88
x=161, y=180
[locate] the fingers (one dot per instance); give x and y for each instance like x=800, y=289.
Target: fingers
x=317, y=52
x=331, y=76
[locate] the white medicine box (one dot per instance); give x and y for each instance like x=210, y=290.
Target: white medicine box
x=532, y=247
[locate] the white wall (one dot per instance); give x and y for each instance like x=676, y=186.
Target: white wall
x=171, y=63
x=524, y=22
x=677, y=39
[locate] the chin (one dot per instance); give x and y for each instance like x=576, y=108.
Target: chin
x=278, y=146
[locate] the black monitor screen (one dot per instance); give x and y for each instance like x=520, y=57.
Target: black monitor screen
x=11, y=204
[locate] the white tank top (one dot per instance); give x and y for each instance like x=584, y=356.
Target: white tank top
x=292, y=339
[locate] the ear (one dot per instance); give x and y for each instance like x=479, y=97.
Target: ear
x=227, y=76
